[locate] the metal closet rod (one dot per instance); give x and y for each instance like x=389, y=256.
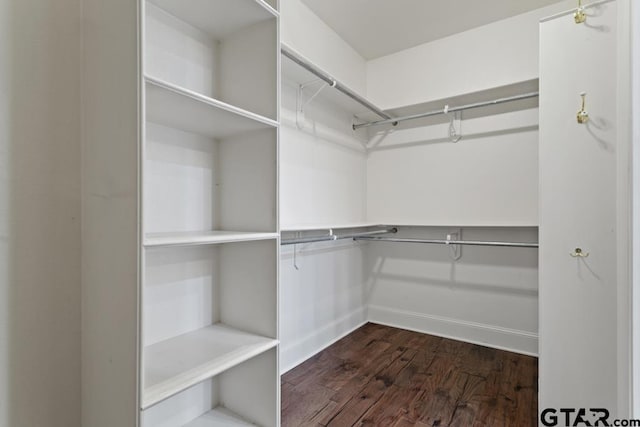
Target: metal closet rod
x=395, y=120
x=292, y=55
x=332, y=236
x=449, y=242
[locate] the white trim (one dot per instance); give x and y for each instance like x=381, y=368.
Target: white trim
x=635, y=66
x=513, y=340
x=294, y=354
x=624, y=211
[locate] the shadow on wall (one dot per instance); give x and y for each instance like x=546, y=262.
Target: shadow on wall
x=378, y=141
x=494, y=287
x=39, y=213
x=467, y=125
x=430, y=266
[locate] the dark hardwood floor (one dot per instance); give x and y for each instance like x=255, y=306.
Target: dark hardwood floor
x=381, y=376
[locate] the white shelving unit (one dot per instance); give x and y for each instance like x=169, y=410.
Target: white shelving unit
x=210, y=227
x=180, y=272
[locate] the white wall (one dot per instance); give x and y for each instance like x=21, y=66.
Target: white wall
x=415, y=174
x=39, y=213
x=322, y=165
x=320, y=301
x=307, y=34
x=323, y=183
x=493, y=55
x=489, y=296
x=489, y=177
x=635, y=7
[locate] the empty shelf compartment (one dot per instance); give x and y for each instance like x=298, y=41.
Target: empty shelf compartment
x=173, y=365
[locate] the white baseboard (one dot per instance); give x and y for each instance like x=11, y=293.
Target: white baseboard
x=517, y=341
x=294, y=354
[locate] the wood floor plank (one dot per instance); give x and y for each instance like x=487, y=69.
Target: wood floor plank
x=404, y=422
x=323, y=417
x=352, y=344
x=311, y=367
x=307, y=403
x=442, y=404
x=358, y=405
x=356, y=383
x=416, y=372
x=287, y=393
x=364, y=359
x=391, y=407
x=469, y=403
x=382, y=376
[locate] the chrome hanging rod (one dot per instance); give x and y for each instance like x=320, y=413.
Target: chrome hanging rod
x=394, y=121
x=332, y=237
x=449, y=242
x=292, y=55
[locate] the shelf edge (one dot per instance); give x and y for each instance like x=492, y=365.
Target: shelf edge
x=212, y=102
x=163, y=391
x=214, y=241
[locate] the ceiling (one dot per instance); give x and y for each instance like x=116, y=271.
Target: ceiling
x=376, y=28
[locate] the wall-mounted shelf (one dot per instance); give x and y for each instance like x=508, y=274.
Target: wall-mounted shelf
x=445, y=224
x=173, y=365
x=314, y=227
x=388, y=233
x=477, y=104
x=322, y=227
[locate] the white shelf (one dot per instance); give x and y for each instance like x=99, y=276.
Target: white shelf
x=180, y=108
x=320, y=227
x=178, y=363
x=219, y=417
x=203, y=238
x=462, y=225
x=218, y=18
x=312, y=227
x=471, y=98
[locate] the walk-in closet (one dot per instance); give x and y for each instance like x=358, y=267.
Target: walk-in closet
x=291, y=213
x=469, y=187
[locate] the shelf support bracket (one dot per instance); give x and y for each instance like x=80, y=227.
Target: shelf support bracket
x=301, y=104
x=455, y=251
